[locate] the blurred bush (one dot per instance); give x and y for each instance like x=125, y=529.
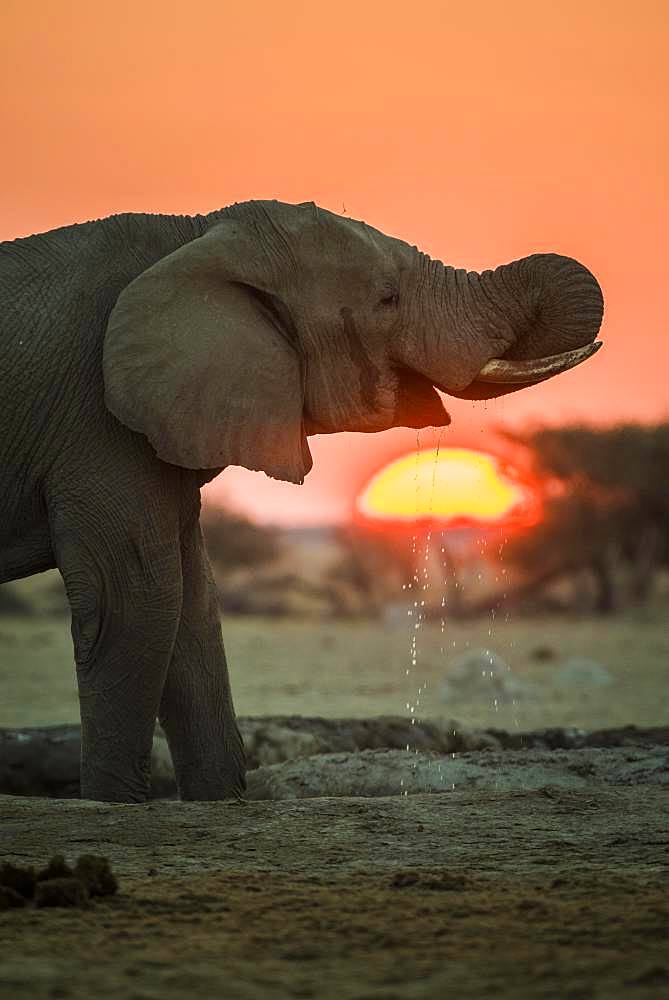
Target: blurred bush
x=233, y=541
x=305, y=573
x=373, y=565
x=272, y=572
x=606, y=513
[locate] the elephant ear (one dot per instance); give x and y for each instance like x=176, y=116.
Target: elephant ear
x=196, y=361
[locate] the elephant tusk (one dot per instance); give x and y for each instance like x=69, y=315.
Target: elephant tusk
x=499, y=370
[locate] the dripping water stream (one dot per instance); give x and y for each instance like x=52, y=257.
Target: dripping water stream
x=451, y=579
x=419, y=584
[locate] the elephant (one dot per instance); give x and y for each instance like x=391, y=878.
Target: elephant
x=142, y=354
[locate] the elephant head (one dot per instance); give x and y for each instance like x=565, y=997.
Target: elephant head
x=287, y=320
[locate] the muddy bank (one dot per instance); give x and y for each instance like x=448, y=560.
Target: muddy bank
x=372, y=773
x=45, y=760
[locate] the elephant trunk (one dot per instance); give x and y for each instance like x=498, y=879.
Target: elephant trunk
x=495, y=327
x=565, y=300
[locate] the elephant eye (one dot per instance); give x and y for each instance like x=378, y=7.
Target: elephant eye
x=388, y=301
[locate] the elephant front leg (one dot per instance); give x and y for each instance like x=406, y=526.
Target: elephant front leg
x=196, y=709
x=124, y=586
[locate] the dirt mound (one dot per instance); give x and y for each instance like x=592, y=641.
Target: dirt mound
x=57, y=884
x=372, y=773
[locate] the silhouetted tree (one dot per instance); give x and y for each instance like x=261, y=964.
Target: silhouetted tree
x=606, y=508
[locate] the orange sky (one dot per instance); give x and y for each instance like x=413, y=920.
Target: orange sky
x=480, y=131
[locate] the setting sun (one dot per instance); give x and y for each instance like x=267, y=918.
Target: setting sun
x=450, y=484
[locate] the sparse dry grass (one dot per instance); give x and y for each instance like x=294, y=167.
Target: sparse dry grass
x=360, y=669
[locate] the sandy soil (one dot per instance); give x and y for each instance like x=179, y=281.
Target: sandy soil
x=549, y=893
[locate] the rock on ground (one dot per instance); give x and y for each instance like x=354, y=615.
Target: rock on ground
x=483, y=673
x=580, y=671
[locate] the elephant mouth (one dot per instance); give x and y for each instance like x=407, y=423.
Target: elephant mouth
x=419, y=404
x=500, y=375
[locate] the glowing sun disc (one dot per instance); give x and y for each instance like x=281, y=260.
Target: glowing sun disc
x=449, y=484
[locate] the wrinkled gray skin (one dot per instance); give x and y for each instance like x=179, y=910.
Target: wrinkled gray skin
x=139, y=355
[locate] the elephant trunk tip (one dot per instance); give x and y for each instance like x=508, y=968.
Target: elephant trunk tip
x=567, y=306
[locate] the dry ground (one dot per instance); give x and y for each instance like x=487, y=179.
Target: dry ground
x=519, y=894
x=549, y=893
